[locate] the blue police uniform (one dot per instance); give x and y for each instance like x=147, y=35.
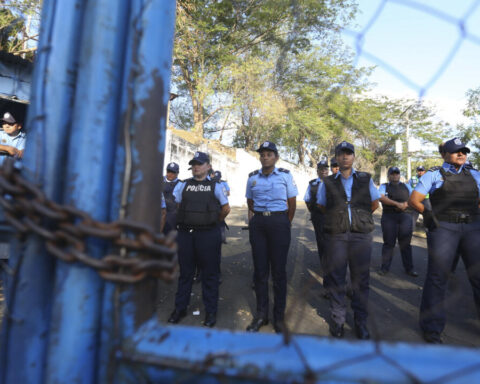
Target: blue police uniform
x=317, y=218
x=396, y=224
x=269, y=231
x=17, y=141
x=348, y=240
x=198, y=239
x=168, y=187
x=455, y=226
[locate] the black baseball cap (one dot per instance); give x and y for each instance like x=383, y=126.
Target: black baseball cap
x=322, y=164
x=217, y=175
x=199, y=157
x=267, y=146
x=420, y=168
x=8, y=118
x=393, y=170
x=455, y=145
x=333, y=162
x=173, y=167
x=344, y=146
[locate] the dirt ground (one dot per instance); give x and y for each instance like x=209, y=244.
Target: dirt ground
x=394, y=298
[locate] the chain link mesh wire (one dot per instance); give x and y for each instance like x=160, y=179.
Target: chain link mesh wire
x=299, y=308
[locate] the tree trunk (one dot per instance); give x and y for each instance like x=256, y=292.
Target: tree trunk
x=197, y=117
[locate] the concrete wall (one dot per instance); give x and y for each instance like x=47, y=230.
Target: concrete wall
x=234, y=163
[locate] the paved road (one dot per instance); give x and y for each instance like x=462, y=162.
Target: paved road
x=394, y=298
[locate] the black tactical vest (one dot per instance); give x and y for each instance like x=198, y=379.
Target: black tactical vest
x=336, y=215
x=457, y=196
x=199, y=208
x=168, y=188
x=312, y=204
x=396, y=192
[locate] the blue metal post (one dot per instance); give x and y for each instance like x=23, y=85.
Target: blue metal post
x=26, y=325
x=76, y=316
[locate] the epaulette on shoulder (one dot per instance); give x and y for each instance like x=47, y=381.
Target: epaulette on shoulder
x=436, y=168
x=312, y=182
x=363, y=175
x=253, y=173
x=283, y=170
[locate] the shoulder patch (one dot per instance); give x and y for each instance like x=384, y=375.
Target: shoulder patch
x=312, y=182
x=283, y=170
x=363, y=175
x=253, y=173
x=436, y=168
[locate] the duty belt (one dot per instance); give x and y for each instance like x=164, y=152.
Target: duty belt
x=458, y=218
x=270, y=213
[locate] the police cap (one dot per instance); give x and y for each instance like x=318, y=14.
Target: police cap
x=333, y=162
x=393, y=170
x=199, y=157
x=344, y=146
x=8, y=118
x=217, y=175
x=455, y=145
x=322, y=164
x=268, y=146
x=420, y=168
x=173, y=167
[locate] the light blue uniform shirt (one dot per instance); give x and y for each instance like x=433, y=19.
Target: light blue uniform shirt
x=12, y=141
x=306, y=198
x=382, y=190
x=163, y=203
x=220, y=192
x=225, y=185
x=347, y=186
x=433, y=180
x=270, y=193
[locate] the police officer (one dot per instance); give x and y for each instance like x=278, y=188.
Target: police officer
x=203, y=204
x=271, y=197
x=348, y=200
x=396, y=222
x=317, y=216
x=413, y=183
x=170, y=181
x=453, y=224
x=333, y=165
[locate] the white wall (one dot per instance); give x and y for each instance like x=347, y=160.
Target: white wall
x=235, y=165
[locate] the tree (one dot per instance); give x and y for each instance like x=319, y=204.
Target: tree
x=18, y=18
x=470, y=134
x=211, y=35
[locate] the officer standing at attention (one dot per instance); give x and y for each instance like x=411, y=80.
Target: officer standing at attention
x=413, y=183
x=453, y=225
x=317, y=216
x=348, y=199
x=271, y=196
x=170, y=181
x=396, y=222
x=203, y=205
x=333, y=165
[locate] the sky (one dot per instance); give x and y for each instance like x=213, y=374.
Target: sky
x=414, y=39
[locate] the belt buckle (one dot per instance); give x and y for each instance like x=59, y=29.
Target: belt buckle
x=266, y=213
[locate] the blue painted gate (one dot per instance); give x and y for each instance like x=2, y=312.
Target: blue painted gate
x=81, y=290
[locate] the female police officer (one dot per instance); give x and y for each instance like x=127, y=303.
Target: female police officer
x=203, y=205
x=453, y=225
x=348, y=199
x=270, y=196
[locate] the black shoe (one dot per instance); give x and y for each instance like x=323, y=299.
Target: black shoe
x=256, y=324
x=361, y=331
x=382, y=272
x=177, y=315
x=412, y=273
x=210, y=319
x=278, y=326
x=432, y=337
x=336, y=330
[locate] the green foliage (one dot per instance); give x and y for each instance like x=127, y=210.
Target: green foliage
x=470, y=134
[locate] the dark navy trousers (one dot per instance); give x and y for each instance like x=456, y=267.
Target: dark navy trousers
x=270, y=240
x=170, y=222
x=397, y=226
x=318, y=220
x=443, y=244
x=353, y=250
x=202, y=248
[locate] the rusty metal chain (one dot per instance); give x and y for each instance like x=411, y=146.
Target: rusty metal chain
x=66, y=229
